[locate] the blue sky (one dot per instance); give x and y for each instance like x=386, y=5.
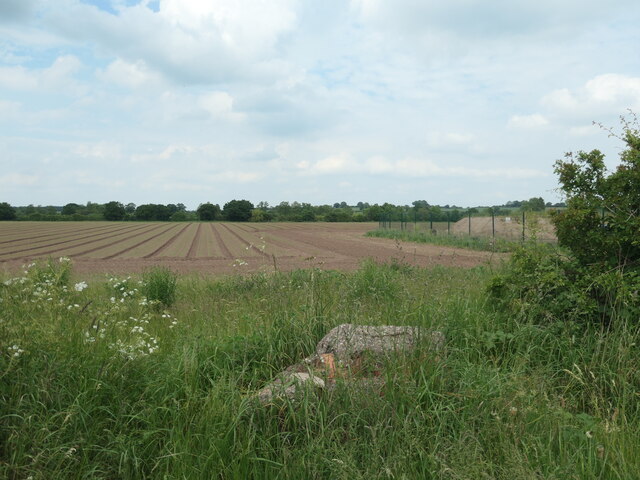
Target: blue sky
x=462, y=102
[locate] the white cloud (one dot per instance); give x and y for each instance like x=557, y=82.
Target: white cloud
x=237, y=176
x=528, y=122
x=379, y=165
x=59, y=77
x=437, y=139
x=18, y=78
x=166, y=154
x=188, y=41
x=90, y=179
x=603, y=93
x=585, y=130
x=100, y=150
x=333, y=164
x=8, y=109
x=249, y=27
x=13, y=180
x=613, y=89
x=129, y=75
x=416, y=167
x=219, y=105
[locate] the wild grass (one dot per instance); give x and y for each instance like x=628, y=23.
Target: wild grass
x=159, y=284
x=461, y=241
x=98, y=384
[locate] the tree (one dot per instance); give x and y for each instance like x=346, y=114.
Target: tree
x=207, y=212
x=172, y=208
x=600, y=278
x=435, y=214
x=7, y=212
x=162, y=212
x=535, y=204
x=374, y=213
x=145, y=212
x=93, y=208
x=601, y=222
x=153, y=211
x=179, y=216
x=420, y=204
x=260, y=215
x=71, y=209
x=113, y=211
x=237, y=210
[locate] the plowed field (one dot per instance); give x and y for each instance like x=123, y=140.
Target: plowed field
x=218, y=248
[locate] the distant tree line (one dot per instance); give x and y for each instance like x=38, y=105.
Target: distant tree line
x=244, y=210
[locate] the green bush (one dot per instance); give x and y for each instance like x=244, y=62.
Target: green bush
x=159, y=285
x=599, y=277
x=601, y=222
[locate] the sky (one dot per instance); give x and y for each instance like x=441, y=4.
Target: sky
x=460, y=102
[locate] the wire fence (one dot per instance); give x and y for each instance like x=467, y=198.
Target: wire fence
x=520, y=226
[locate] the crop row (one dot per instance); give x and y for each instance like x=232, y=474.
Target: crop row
x=110, y=240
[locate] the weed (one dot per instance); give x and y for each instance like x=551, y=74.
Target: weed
x=159, y=285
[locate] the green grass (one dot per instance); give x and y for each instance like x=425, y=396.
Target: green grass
x=461, y=241
x=87, y=393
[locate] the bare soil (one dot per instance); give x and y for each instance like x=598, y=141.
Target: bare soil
x=330, y=246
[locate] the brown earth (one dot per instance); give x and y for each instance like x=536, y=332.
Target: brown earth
x=264, y=247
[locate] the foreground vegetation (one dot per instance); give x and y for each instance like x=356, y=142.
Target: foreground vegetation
x=145, y=378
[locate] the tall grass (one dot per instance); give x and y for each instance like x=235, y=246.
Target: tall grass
x=86, y=393
x=488, y=244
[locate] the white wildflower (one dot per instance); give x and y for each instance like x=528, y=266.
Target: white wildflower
x=80, y=286
x=15, y=351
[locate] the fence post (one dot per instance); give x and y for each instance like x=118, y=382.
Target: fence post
x=493, y=223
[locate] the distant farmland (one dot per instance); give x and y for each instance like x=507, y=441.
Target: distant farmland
x=218, y=247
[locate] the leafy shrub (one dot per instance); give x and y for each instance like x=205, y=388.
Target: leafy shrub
x=601, y=223
x=600, y=277
x=159, y=285
x=542, y=284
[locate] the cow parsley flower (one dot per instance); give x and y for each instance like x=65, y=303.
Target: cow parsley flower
x=80, y=286
x=15, y=351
